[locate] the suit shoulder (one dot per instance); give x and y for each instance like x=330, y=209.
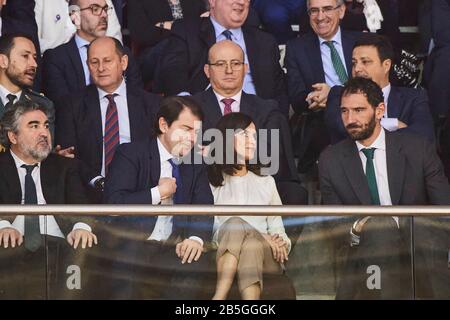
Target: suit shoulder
x=57, y=51
x=302, y=41
x=410, y=92
x=37, y=97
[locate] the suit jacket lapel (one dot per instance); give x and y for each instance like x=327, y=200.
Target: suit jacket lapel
x=75, y=59
x=48, y=176
x=395, y=162
x=315, y=58
x=155, y=162
x=213, y=108
x=12, y=176
x=394, y=102
x=93, y=115
x=347, y=46
x=134, y=114
x=351, y=162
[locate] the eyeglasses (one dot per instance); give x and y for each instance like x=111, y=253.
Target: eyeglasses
x=97, y=10
x=235, y=65
x=328, y=11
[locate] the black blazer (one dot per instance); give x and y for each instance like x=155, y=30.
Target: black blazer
x=60, y=181
x=63, y=71
x=143, y=15
x=266, y=115
x=79, y=124
x=187, y=53
x=407, y=104
x=305, y=67
x=414, y=170
x=136, y=168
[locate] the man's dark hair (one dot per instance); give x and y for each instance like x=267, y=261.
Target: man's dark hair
x=7, y=42
x=367, y=87
x=74, y=2
x=120, y=49
x=381, y=43
x=11, y=118
x=171, y=108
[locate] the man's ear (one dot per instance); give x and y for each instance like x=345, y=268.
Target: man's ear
x=12, y=137
x=379, y=111
x=4, y=61
x=124, y=62
x=206, y=70
x=387, y=65
x=163, y=126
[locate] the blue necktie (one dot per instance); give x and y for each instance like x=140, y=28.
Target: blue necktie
x=178, y=196
x=228, y=34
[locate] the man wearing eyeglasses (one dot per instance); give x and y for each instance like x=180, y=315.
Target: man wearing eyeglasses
x=316, y=62
x=65, y=68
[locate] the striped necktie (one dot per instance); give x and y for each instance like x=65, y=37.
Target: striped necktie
x=227, y=102
x=370, y=175
x=337, y=62
x=111, y=138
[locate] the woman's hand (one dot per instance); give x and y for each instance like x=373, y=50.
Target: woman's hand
x=278, y=246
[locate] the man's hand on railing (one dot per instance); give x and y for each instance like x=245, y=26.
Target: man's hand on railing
x=80, y=235
x=8, y=235
x=189, y=250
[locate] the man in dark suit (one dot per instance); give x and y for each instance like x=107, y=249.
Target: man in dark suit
x=83, y=120
x=406, y=109
x=155, y=172
x=377, y=167
x=187, y=52
x=31, y=174
x=316, y=62
x=65, y=68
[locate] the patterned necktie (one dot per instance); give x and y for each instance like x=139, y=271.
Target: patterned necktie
x=178, y=196
x=227, y=102
x=111, y=138
x=11, y=99
x=370, y=175
x=32, y=229
x=337, y=62
x=228, y=34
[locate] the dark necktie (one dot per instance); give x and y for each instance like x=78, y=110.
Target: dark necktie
x=227, y=102
x=228, y=34
x=370, y=175
x=111, y=138
x=32, y=230
x=178, y=196
x=337, y=62
x=11, y=99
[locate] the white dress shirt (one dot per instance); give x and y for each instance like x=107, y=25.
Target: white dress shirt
x=250, y=189
x=235, y=106
x=331, y=77
x=164, y=224
x=238, y=38
x=390, y=124
x=48, y=224
x=4, y=95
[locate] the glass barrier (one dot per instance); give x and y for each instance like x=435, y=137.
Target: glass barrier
x=351, y=256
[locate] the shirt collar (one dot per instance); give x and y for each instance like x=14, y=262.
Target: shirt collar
x=81, y=42
x=218, y=28
x=19, y=162
x=236, y=97
x=4, y=93
x=336, y=39
x=121, y=91
x=386, y=92
x=164, y=155
x=379, y=143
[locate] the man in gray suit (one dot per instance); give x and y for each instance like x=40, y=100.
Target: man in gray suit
x=377, y=167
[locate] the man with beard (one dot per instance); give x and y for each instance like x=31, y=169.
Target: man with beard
x=17, y=73
x=65, y=69
x=377, y=167
x=31, y=174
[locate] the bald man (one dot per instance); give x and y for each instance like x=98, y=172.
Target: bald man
x=81, y=119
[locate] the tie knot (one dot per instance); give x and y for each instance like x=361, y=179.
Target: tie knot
x=227, y=101
x=369, y=152
x=11, y=97
x=29, y=167
x=111, y=97
x=174, y=162
x=227, y=34
x=330, y=44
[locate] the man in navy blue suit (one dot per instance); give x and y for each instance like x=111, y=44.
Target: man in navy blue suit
x=154, y=172
x=406, y=109
x=316, y=62
x=65, y=67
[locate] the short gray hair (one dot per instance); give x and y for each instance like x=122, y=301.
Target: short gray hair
x=12, y=116
x=338, y=3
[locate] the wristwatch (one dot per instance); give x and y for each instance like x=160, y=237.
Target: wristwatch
x=99, y=184
x=161, y=25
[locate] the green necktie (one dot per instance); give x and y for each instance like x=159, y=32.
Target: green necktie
x=337, y=62
x=370, y=175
